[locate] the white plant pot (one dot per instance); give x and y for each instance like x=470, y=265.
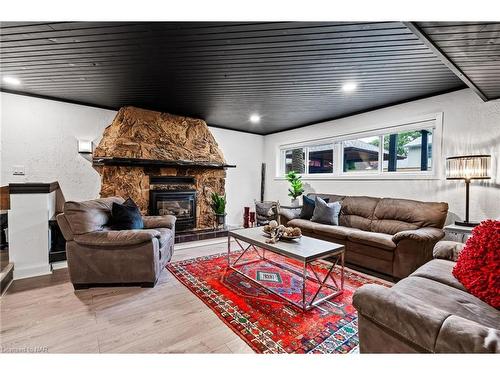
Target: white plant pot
x=295, y=202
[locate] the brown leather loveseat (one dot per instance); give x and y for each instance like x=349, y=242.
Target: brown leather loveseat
x=97, y=255
x=390, y=236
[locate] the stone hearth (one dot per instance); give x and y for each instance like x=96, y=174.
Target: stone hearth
x=142, y=135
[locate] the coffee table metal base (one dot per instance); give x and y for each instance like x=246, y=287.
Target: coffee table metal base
x=321, y=280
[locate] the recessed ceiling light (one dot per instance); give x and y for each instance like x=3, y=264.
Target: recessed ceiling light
x=11, y=81
x=254, y=119
x=349, y=87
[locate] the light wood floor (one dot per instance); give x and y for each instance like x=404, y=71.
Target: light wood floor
x=45, y=312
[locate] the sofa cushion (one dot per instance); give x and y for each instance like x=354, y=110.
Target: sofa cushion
x=357, y=212
x=439, y=270
x=326, y=213
x=449, y=299
x=334, y=231
x=304, y=225
x=89, y=216
x=380, y=240
x=117, y=238
x=395, y=215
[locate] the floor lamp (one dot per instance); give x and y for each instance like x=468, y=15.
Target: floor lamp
x=470, y=167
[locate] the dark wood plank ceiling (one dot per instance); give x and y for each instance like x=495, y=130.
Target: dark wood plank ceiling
x=290, y=73
x=474, y=47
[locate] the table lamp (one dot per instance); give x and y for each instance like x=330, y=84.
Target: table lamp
x=470, y=167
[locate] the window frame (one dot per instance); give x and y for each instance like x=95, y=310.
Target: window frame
x=432, y=121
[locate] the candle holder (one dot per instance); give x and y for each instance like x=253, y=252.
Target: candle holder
x=252, y=219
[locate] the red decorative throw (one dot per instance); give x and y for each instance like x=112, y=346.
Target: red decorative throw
x=478, y=265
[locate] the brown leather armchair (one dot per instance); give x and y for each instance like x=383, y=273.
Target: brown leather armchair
x=100, y=256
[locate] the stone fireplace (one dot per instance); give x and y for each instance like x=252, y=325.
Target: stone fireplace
x=165, y=163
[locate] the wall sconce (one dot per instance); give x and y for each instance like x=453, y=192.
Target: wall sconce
x=84, y=146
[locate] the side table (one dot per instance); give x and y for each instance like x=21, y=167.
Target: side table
x=457, y=233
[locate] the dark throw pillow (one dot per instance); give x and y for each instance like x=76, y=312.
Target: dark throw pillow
x=126, y=216
x=326, y=213
x=308, y=205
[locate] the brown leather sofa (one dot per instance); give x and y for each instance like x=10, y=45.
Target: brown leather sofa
x=99, y=256
x=389, y=236
x=428, y=312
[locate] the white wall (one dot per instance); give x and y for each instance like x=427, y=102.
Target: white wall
x=469, y=126
x=243, y=182
x=42, y=136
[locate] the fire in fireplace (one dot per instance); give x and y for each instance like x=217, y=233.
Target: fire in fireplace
x=171, y=195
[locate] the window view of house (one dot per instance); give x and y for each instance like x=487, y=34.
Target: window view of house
x=361, y=155
x=409, y=151
x=321, y=159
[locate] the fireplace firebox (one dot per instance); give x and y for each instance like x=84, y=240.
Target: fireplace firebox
x=180, y=203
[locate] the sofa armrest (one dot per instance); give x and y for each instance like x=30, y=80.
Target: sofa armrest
x=448, y=250
x=165, y=221
x=287, y=214
x=64, y=227
x=116, y=238
x=420, y=235
x=404, y=317
x=460, y=335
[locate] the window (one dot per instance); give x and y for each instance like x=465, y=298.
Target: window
x=318, y=158
x=391, y=152
x=295, y=160
x=321, y=159
x=403, y=151
x=361, y=155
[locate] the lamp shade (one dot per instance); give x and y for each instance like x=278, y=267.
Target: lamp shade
x=470, y=167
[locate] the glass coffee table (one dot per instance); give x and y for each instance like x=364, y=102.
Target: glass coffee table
x=305, y=254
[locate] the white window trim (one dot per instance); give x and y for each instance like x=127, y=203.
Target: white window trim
x=336, y=141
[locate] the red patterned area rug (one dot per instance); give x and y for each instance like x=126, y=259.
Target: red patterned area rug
x=267, y=323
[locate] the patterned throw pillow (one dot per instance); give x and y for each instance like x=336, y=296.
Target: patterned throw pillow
x=478, y=265
x=266, y=211
x=326, y=213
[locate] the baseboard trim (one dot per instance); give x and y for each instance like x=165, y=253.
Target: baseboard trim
x=189, y=245
x=24, y=273
x=59, y=265
x=6, y=278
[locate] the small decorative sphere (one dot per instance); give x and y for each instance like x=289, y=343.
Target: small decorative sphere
x=273, y=224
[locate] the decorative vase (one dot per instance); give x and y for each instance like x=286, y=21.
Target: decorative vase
x=246, y=217
x=220, y=220
x=295, y=202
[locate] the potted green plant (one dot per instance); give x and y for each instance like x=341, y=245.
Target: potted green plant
x=296, y=187
x=219, y=207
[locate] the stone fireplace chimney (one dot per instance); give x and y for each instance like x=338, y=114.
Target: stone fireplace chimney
x=140, y=144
